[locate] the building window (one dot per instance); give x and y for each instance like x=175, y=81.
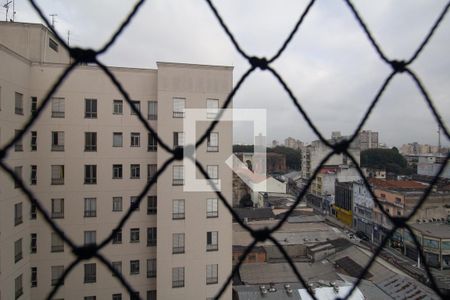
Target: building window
x=33, y=174
x=18, y=103
x=57, y=272
x=178, y=175
x=179, y=105
x=137, y=105
x=212, y=208
x=117, y=139
x=117, y=265
x=117, y=297
x=58, y=208
x=178, y=277
x=117, y=171
x=90, y=174
x=90, y=108
x=33, y=243
x=213, y=142
x=57, y=140
x=135, y=171
x=117, y=236
x=213, y=173
x=18, y=216
x=18, y=146
x=90, y=207
x=151, y=268
x=135, y=139
x=33, y=211
x=117, y=204
x=134, y=267
x=212, y=241
x=33, y=143
x=151, y=295
x=178, y=209
x=18, y=255
x=33, y=277
x=151, y=171
x=117, y=107
x=134, y=235
x=211, y=274
x=90, y=141
x=18, y=287
x=58, y=107
x=178, y=139
x=33, y=106
x=152, y=110
x=90, y=273
x=18, y=172
x=151, y=205
x=53, y=45
x=212, y=108
x=135, y=296
x=152, y=142
x=90, y=237
x=57, y=243
x=90, y=297
x=151, y=236
x=177, y=243
x=57, y=174
x=134, y=204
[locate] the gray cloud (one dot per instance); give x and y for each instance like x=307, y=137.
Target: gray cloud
x=330, y=65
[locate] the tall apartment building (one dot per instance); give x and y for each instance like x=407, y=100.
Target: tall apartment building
x=88, y=157
x=368, y=140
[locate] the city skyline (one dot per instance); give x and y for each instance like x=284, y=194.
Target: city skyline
x=318, y=65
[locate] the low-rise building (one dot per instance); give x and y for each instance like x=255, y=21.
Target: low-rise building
x=362, y=209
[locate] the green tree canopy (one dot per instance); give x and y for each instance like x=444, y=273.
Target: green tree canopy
x=389, y=159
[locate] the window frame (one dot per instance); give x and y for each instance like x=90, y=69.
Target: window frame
x=90, y=108
x=178, y=209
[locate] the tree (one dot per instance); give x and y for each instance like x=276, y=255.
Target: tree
x=293, y=157
x=389, y=159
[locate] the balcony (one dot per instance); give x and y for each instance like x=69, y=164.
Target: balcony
x=57, y=215
x=18, y=110
x=151, y=274
x=18, y=220
x=89, y=278
x=18, y=147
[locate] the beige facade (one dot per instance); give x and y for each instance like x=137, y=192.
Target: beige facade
x=89, y=149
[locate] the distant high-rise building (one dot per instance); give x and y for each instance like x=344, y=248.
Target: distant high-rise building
x=368, y=140
x=293, y=143
x=88, y=157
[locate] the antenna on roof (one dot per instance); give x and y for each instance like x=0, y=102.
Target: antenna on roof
x=6, y=5
x=53, y=19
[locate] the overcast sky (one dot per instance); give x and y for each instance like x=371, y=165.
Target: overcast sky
x=330, y=65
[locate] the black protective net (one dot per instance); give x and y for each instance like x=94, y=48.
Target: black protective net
x=83, y=56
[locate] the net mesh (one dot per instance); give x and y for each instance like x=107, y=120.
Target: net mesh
x=84, y=56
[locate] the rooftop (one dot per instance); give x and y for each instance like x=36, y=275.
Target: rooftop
x=398, y=184
x=439, y=230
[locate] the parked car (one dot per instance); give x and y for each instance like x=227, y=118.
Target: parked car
x=362, y=236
